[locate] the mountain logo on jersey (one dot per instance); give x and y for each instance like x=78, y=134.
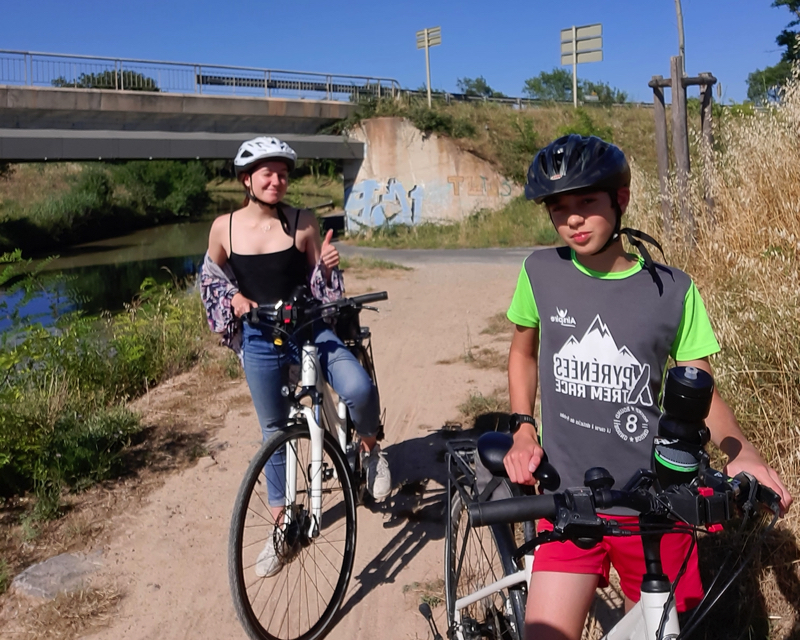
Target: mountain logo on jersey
x=563, y=318
x=595, y=368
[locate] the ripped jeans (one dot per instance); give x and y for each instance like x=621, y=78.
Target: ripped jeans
x=263, y=364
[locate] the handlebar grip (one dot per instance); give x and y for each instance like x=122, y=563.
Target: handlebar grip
x=547, y=476
x=366, y=298
x=510, y=510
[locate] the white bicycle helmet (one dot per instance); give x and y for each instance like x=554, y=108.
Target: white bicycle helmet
x=260, y=149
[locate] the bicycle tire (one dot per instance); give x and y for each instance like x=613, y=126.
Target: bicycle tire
x=301, y=601
x=487, y=554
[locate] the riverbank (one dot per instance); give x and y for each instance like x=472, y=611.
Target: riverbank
x=48, y=207
x=168, y=518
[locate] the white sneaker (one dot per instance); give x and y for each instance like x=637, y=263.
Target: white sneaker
x=379, y=478
x=268, y=563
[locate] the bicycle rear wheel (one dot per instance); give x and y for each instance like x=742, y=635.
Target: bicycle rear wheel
x=301, y=600
x=476, y=558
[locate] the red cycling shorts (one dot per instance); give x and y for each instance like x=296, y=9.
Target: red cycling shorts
x=627, y=556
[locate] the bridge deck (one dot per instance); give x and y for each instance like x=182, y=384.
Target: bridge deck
x=21, y=145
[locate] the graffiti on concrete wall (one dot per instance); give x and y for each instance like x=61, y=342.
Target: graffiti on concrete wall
x=372, y=203
x=368, y=204
x=479, y=186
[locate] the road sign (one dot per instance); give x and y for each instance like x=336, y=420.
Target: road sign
x=426, y=39
x=578, y=45
x=582, y=45
x=434, y=36
x=586, y=56
x=581, y=33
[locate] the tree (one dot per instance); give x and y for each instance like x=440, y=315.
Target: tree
x=110, y=79
x=477, y=87
x=555, y=85
x=606, y=94
x=764, y=85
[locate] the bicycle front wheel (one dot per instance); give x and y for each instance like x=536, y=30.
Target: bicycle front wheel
x=288, y=573
x=476, y=558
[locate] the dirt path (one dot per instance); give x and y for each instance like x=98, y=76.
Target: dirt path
x=168, y=557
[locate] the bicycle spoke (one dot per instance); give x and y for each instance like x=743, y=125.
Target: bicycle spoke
x=302, y=598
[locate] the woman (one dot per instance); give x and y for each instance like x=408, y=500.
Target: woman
x=258, y=255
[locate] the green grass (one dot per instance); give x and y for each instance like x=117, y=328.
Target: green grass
x=519, y=224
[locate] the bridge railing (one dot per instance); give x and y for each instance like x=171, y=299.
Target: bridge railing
x=90, y=72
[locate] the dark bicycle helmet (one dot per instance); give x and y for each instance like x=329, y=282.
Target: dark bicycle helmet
x=576, y=162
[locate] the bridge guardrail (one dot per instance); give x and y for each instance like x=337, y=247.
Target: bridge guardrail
x=29, y=68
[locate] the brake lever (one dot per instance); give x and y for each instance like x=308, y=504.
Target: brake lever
x=769, y=499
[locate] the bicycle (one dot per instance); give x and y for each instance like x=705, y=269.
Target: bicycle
x=487, y=572
x=314, y=463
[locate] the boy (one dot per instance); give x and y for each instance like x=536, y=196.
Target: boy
x=595, y=327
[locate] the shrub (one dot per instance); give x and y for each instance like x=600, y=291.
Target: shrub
x=64, y=421
x=162, y=189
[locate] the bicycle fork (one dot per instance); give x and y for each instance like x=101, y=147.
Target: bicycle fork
x=311, y=380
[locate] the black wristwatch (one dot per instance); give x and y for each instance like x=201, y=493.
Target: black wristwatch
x=515, y=420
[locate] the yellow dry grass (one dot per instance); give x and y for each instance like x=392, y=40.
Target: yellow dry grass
x=746, y=263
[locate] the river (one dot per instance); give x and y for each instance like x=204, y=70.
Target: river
x=104, y=275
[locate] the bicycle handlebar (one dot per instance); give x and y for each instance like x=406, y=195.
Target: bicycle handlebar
x=284, y=314
x=710, y=503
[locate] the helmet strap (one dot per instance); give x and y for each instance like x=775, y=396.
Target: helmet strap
x=634, y=237
x=615, y=234
x=252, y=196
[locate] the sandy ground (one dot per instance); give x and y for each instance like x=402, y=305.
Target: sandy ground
x=168, y=555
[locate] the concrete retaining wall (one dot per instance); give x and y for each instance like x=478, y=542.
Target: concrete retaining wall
x=409, y=178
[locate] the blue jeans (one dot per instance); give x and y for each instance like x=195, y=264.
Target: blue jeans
x=263, y=362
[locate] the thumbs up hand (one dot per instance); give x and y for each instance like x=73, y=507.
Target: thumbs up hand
x=329, y=253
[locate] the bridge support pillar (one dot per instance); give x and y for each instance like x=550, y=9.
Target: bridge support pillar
x=350, y=173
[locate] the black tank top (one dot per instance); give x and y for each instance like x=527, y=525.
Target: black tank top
x=268, y=278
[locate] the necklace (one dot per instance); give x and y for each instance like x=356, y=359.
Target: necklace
x=266, y=227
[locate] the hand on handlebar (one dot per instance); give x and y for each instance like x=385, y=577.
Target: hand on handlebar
x=241, y=305
x=752, y=463
x=523, y=458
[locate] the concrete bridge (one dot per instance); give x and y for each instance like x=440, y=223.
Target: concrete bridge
x=68, y=107
x=38, y=124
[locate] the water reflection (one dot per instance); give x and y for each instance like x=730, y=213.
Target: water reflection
x=104, y=275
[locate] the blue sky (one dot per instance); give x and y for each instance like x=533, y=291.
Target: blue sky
x=506, y=41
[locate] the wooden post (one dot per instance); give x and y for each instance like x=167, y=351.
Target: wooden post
x=706, y=126
x=662, y=151
x=680, y=142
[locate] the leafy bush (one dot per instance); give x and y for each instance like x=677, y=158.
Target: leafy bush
x=163, y=188
x=64, y=422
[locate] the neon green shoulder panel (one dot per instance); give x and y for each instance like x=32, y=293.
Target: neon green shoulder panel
x=523, y=310
x=695, y=338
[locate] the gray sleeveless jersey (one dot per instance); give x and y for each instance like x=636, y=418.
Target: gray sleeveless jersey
x=604, y=345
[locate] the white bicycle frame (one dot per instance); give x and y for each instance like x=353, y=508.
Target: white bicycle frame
x=640, y=623
x=310, y=377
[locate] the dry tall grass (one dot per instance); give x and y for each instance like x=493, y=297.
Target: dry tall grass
x=747, y=266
